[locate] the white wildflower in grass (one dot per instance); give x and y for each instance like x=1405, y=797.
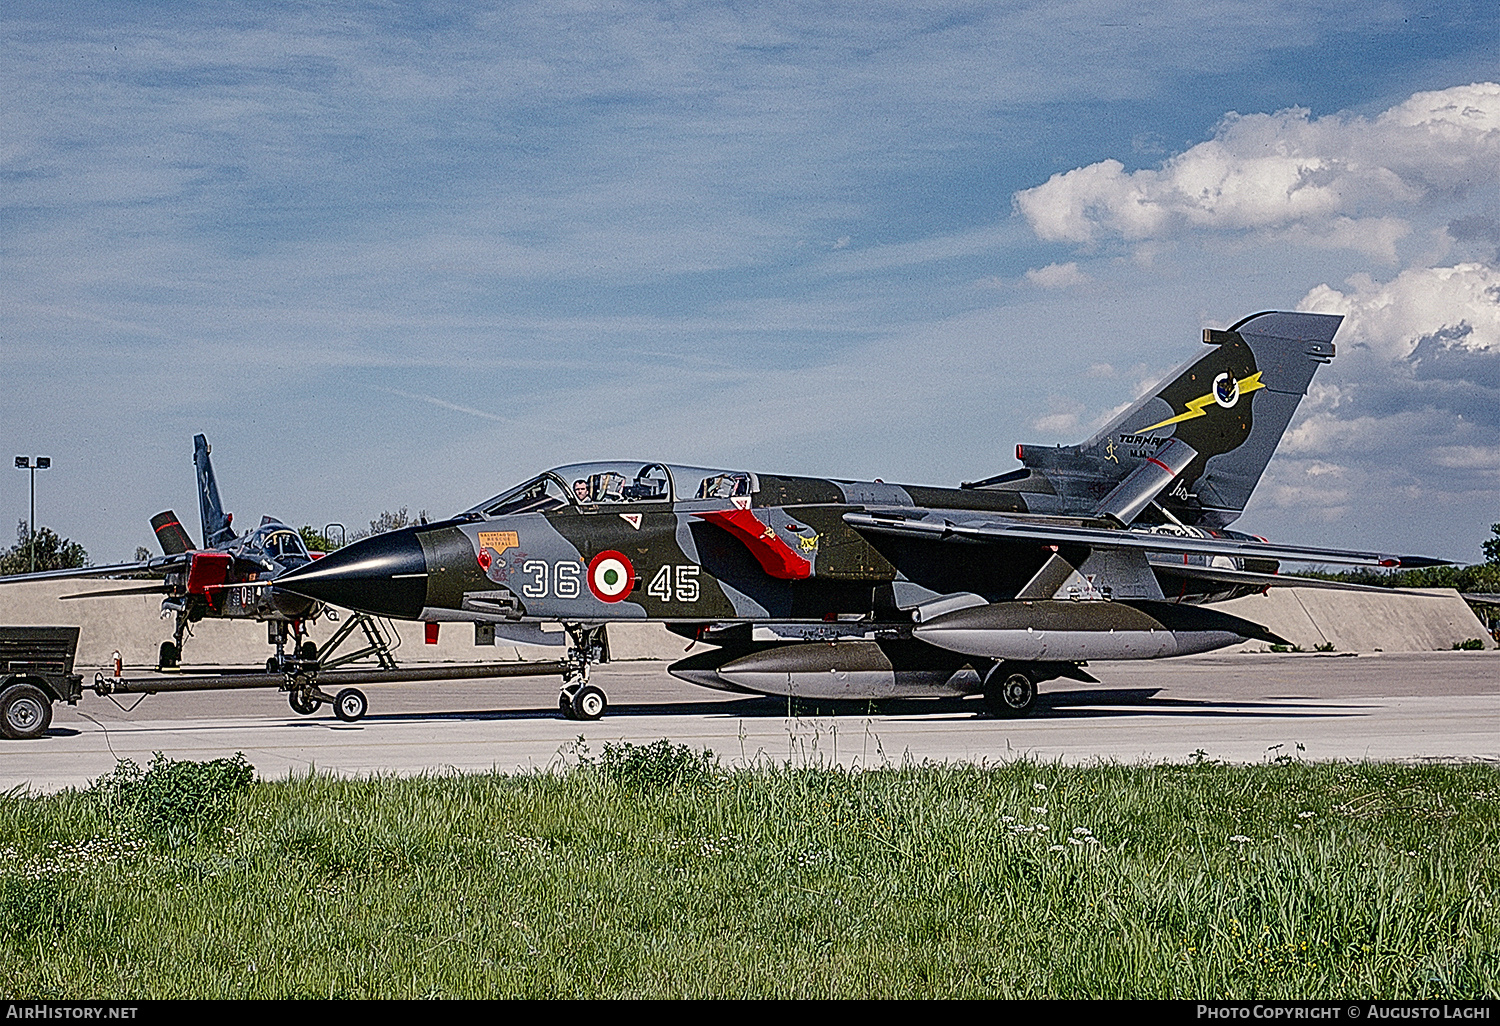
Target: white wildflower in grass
x=1306, y=815
x=1081, y=831
x=1073, y=840
x=1056, y=847
x=1042, y=827
x=1038, y=786
x=1239, y=839
x=1040, y=810
x=1007, y=819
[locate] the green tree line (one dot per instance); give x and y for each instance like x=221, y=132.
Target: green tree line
x=52, y=552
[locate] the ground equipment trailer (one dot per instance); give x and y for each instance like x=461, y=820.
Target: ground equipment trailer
x=36, y=669
x=305, y=685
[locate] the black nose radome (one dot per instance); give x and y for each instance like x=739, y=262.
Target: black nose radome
x=385, y=575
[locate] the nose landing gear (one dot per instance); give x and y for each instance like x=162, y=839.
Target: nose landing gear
x=580, y=700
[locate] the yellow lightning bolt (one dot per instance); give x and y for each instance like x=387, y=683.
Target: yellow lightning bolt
x=1196, y=407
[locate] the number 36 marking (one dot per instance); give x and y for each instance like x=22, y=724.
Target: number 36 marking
x=563, y=579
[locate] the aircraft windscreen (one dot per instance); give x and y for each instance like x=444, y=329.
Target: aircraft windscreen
x=538, y=495
x=595, y=484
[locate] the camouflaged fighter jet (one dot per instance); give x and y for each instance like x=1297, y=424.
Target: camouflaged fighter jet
x=860, y=589
x=228, y=578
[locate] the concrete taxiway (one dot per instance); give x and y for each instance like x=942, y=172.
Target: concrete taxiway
x=1243, y=707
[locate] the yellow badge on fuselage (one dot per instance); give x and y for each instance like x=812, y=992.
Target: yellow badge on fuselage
x=498, y=541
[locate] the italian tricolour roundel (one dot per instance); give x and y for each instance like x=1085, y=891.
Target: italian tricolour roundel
x=611, y=577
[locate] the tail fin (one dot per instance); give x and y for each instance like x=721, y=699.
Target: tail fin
x=171, y=534
x=216, y=529
x=1228, y=407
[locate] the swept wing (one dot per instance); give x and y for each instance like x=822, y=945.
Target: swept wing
x=143, y=568
x=952, y=525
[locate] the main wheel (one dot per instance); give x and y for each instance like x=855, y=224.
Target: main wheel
x=25, y=712
x=565, y=705
x=302, y=702
x=1008, y=692
x=349, y=704
x=589, y=703
x=168, y=656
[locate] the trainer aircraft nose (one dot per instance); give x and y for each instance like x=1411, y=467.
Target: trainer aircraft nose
x=385, y=575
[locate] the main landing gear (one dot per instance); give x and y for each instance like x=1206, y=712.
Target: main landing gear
x=1009, y=691
x=1010, y=688
x=580, y=700
x=169, y=656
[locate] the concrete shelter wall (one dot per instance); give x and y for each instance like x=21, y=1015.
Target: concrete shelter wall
x=1432, y=620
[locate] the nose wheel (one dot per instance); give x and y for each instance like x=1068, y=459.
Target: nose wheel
x=583, y=703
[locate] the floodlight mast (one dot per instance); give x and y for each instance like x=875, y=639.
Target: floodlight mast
x=26, y=463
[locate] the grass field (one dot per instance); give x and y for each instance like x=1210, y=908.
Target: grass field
x=650, y=872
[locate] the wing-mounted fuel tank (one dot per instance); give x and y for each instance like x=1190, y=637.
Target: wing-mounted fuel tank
x=1057, y=630
x=843, y=669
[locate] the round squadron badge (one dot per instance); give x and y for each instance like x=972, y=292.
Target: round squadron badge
x=1226, y=390
x=611, y=577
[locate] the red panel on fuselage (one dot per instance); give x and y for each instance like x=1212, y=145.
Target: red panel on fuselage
x=209, y=570
x=774, y=555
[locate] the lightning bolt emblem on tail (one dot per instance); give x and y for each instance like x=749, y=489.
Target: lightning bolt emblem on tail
x=1198, y=407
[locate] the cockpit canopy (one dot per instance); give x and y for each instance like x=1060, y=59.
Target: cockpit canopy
x=277, y=541
x=595, y=484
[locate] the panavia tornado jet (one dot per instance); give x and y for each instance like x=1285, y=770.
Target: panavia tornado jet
x=229, y=577
x=1111, y=549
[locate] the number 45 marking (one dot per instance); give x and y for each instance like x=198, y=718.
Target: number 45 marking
x=685, y=578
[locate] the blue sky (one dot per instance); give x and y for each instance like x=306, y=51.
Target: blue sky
x=389, y=255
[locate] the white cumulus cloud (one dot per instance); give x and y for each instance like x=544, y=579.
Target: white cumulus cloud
x=1336, y=178
x=1056, y=276
x=1459, y=305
